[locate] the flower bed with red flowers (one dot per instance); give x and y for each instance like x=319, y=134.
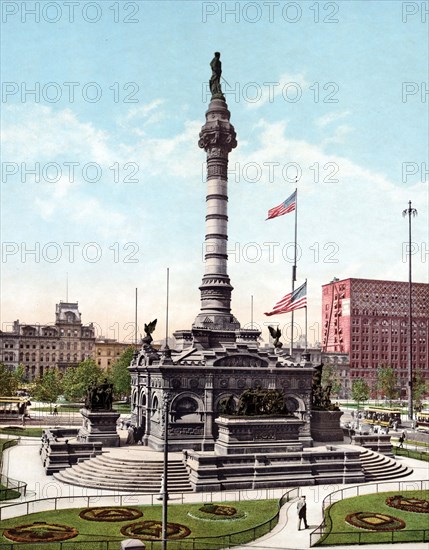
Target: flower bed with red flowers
x=218, y=509
x=39, y=531
x=110, y=513
x=374, y=521
x=152, y=530
x=409, y=504
x=217, y=512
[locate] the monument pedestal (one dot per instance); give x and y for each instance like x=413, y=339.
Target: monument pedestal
x=257, y=434
x=99, y=425
x=325, y=426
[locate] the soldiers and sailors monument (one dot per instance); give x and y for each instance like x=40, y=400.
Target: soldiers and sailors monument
x=216, y=360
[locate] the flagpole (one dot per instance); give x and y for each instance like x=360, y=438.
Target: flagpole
x=306, y=319
x=251, y=311
x=135, y=324
x=294, y=266
x=166, y=309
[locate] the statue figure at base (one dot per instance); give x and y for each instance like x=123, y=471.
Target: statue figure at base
x=321, y=394
x=99, y=397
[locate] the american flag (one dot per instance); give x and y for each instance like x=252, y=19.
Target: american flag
x=285, y=207
x=294, y=300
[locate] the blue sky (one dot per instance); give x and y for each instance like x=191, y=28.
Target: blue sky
x=322, y=99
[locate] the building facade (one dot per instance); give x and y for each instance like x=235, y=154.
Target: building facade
x=39, y=348
x=107, y=351
x=369, y=320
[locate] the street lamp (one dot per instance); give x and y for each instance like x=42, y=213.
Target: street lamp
x=164, y=482
x=410, y=212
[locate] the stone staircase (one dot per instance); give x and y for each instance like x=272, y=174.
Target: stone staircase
x=143, y=474
x=126, y=474
x=378, y=467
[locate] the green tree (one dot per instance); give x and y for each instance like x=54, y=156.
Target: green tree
x=19, y=374
x=120, y=375
x=331, y=377
x=420, y=389
x=387, y=382
x=49, y=387
x=360, y=391
x=77, y=380
x=8, y=381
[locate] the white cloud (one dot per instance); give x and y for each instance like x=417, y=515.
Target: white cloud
x=329, y=118
x=360, y=214
x=288, y=86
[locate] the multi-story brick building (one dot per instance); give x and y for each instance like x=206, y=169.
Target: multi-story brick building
x=369, y=320
x=107, y=351
x=40, y=347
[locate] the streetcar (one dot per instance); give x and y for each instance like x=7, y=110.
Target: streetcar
x=13, y=406
x=422, y=421
x=381, y=416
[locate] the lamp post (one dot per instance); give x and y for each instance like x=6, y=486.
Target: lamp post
x=164, y=488
x=410, y=212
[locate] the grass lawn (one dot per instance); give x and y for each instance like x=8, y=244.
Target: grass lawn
x=412, y=442
x=344, y=533
x=18, y=430
x=255, y=513
x=5, y=493
x=411, y=454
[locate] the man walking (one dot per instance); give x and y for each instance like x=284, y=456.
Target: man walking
x=302, y=513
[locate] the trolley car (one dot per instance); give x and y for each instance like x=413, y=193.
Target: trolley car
x=422, y=421
x=382, y=417
x=11, y=407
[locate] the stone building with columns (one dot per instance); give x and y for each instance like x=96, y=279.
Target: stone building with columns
x=216, y=357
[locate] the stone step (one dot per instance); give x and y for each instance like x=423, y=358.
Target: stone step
x=126, y=474
x=146, y=487
x=380, y=467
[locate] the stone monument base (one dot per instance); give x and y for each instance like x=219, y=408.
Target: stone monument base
x=99, y=425
x=325, y=426
x=257, y=434
x=60, y=449
x=209, y=472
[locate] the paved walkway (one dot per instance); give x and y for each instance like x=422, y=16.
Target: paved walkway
x=23, y=463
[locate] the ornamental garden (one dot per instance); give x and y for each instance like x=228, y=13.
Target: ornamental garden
x=377, y=518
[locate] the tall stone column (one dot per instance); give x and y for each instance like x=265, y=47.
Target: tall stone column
x=217, y=138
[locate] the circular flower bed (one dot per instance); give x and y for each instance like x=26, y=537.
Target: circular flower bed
x=110, y=513
x=218, y=510
x=375, y=521
x=409, y=504
x=152, y=530
x=40, y=532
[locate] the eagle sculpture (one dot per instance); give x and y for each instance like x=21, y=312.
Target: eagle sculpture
x=275, y=335
x=148, y=331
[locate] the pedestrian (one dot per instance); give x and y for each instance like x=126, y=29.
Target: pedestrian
x=401, y=440
x=55, y=413
x=302, y=512
x=130, y=438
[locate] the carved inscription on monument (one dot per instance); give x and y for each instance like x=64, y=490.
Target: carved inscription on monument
x=240, y=361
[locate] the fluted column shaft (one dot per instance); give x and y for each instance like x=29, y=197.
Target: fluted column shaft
x=217, y=138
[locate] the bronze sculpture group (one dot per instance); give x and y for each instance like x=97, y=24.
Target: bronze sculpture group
x=99, y=397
